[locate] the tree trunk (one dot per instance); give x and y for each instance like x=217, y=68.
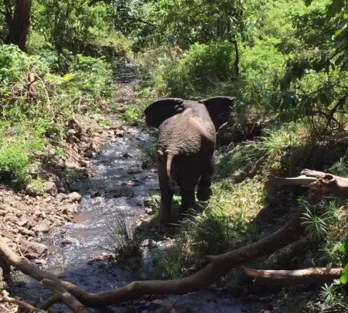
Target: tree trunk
x=19, y=24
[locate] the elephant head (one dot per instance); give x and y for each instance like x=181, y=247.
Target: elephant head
x=219, y=109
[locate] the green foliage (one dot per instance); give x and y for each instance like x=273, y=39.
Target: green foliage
x=317, y=218
x=198, y=72
x=17, y=145
x=168, y=264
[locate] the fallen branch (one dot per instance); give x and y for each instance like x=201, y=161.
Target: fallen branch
x=324, y=183
x=66, y=297
x=282, y=257
x=50, y=301
x=308, y=276
x=217, y=266
x=26, y=307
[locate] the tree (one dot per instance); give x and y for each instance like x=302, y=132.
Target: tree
x=17, y=17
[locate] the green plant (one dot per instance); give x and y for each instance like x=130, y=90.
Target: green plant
x=126, y=243
x=167, y=264
x=14, y=162
x=198, y=72
x=317, y=218
x=132, y=115
x=38, y=187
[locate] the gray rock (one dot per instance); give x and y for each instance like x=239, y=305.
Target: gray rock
x=32, y=249
x=74, y=197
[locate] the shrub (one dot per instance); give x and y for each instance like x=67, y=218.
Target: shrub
x=199, y=70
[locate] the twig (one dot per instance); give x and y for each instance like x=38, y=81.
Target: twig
x=23, y=305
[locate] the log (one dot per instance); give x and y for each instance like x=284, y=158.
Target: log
x=308, y=276
x=65, y=296
x=324, y=183
x=50, y=301
x=217, y=266
x=282, y=257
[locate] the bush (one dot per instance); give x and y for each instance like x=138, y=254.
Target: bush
x=199, y=70
x=88, y=81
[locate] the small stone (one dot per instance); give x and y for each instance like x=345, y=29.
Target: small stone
x=135, y=170
x=22, y=222
x=61, y=196
x=69, y=240
x=149, y=211
x=41, y=228
x=51, y=188
x=74, y=197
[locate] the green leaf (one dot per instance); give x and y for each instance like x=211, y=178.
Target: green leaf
x=343, y=279
x=334, y=8
x=341, y=248
x=308, y=2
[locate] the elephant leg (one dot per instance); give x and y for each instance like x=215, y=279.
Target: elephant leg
x=166, y=192
x=204, y=191
x=187, y=199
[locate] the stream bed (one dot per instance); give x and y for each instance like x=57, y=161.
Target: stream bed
x=115, y=193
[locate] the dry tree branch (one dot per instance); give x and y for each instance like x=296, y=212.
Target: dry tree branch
x=69, y=300
x=323, y=183
x=216, y=267
x=5, y=297
x=55, y=298
x=314, y=275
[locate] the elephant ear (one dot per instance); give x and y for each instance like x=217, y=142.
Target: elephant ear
x=219, y=109
x=157, y=112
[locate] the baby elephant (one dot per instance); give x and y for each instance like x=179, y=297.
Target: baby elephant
x=185, y=148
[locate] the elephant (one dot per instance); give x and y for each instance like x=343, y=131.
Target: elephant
x=185, y=147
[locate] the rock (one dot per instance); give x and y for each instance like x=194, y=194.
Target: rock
x=51, y=188
x=93, y=147
x=32, y=249
x=127, y=155
x=135, y=170
x=61, y=196
x=41, y=228
x=74, y=197
x=149, y=211
x=26, y=232
x=22, y=222
x=119, y=132
x=69, y=240
x=46, y=187
x=122, y=191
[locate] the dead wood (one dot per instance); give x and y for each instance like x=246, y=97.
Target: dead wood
x=26, y=307
x=50, y=301
x=217, y=266
x=308, y=276
x=69, y=300
x=324, y=183
x=282, y=257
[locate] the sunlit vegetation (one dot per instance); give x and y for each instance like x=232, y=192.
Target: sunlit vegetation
x=285, y=61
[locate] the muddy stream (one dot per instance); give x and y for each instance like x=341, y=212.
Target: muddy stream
x=117, y=190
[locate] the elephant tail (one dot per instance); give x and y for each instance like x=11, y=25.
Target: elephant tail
x=171, y=181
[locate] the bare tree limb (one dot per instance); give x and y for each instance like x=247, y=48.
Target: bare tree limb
x=50, y=301
x=324, y=183
x=66, y=297
x=282, y=257
x=23, y=305
x=217, y=266
x=315, y=275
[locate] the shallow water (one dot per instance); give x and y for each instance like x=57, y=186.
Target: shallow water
x=116, y=192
